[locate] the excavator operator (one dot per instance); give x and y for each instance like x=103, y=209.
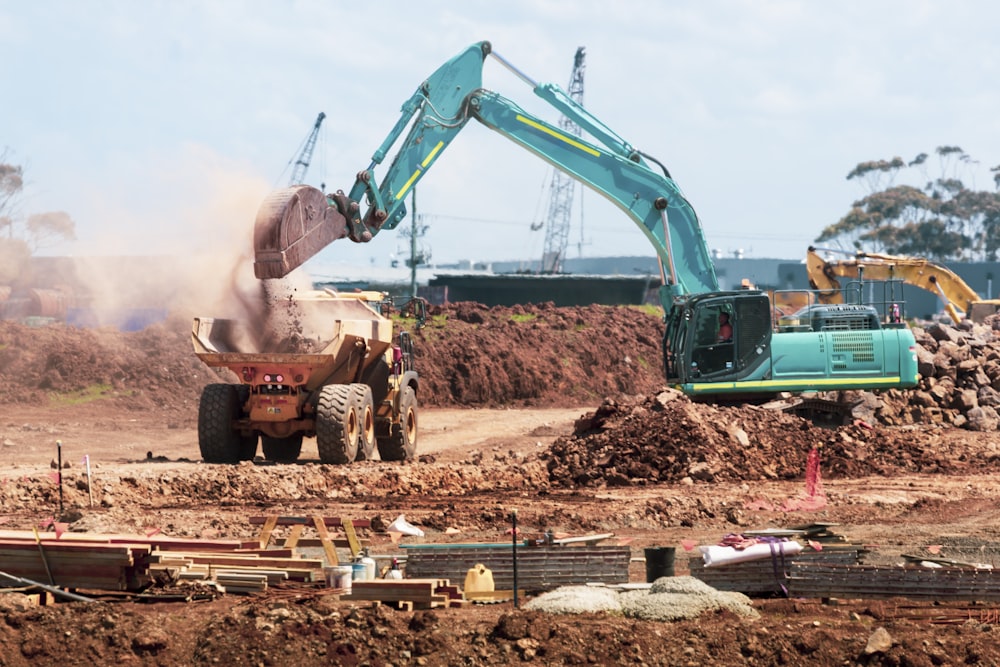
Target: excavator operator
x=725, y=329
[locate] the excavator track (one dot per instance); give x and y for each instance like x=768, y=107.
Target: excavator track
x=822, y=411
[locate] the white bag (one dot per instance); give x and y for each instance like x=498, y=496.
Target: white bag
x=401, y=526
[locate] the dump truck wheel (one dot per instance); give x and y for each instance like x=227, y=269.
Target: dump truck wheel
x=361, y=396
x=282, y=450
x=337, y=427
x=401, y=445
x=218, y=440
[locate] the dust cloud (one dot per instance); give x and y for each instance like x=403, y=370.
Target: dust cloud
x=185, y=252
x=197, y=239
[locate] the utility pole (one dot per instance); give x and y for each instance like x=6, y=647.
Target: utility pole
x=413, y=246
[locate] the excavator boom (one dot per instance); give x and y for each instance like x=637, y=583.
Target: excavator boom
x=827, y=348
x=959, y=300
x=295, y=224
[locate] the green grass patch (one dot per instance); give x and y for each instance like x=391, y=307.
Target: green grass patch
x=523, y=317
x=649, y=309
x=92, y=393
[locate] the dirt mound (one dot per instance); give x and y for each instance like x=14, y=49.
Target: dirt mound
x=152, y=368
x=536, y=355
x=467, y=355
x=669, y=438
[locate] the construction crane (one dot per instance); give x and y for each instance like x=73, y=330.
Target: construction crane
x=305, y=155
x=562, y=186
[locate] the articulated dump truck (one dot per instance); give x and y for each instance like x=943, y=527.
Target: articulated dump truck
x=339, y=377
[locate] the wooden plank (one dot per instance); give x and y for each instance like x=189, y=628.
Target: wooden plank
x=52, y=546
x=272, y=576
x=336, y=540
x=584, y=539
x=225, y=560
x=293, y=536
x=265, y=532
x=334, y=522
x=165, y=542
x=331, y=553
x=352, y=537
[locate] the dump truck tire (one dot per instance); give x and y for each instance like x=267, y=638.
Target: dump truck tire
x=401, y=445
x=337, y=427
x=282, y=450
x=361, y=397
x=218, y=441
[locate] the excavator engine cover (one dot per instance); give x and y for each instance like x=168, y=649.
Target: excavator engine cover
x=292, y=225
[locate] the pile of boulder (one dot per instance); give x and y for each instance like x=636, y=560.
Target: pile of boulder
x=959, y=384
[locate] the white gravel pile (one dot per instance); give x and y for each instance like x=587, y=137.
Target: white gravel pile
x=667, y=599
x=576, y=600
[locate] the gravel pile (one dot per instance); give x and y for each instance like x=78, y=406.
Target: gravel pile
x=668, y=599
x=576, y=600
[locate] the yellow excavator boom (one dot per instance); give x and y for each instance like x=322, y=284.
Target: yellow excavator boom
x=960, y=301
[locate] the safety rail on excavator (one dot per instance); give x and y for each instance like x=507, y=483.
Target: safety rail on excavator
x=853, y=313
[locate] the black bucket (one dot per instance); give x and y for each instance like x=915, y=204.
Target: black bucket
x=659, y=563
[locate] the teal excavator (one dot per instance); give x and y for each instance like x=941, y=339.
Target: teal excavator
x=823, y=348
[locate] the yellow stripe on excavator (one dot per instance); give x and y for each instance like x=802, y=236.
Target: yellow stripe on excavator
x=792, y=385
x=559, y=135
x=427, y=160
x=416, y=173
x=406, y=186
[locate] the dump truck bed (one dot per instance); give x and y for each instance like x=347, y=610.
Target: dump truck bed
x=331, y=334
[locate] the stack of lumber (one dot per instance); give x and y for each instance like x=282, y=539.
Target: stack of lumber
x=105, y=566
x=243, y=570
x=408, y=594
x=121, y=562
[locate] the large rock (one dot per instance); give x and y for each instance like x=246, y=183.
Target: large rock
x=983, y=419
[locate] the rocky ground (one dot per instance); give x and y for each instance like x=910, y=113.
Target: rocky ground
x=558, y=413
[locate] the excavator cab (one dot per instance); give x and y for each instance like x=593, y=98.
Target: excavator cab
x=697, y=348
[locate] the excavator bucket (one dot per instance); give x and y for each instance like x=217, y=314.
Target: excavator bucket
x=293, y=224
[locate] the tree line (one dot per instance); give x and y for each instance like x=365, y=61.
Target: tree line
x=943, y=220
x=24, y=234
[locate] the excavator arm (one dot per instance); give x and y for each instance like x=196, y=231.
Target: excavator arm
x=296, y=223
x=824, y=353
x=959, y=300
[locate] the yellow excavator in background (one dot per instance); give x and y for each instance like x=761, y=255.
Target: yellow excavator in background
x=959, y=300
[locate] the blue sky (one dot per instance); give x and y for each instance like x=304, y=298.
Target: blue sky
x=159, y=126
